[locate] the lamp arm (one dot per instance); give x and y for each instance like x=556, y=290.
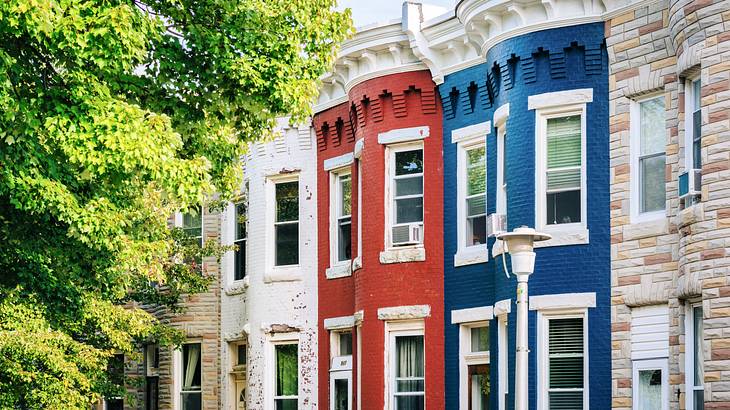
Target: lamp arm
x=504, y=257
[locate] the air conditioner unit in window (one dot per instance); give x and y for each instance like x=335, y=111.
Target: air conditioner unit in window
x=690, y=183
x=408, y=234
x=496, y=224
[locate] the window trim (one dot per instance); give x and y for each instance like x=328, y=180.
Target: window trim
x=563, y=234
x=178, y=223
x=390, y=152
x=178, y=373
x=637, y=216
x=235, y=240
x=689, y=361
x=501, y=185
x=274, y=340
x=649, y=364
x=502, y=361
x=393, y=330
x=543, y=318
x=338, y=268
x=277, y=273
x=468, y=254
x=358, y=258
x=468, y=358
x=689, y=110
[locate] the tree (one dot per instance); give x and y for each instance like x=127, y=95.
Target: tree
x=114, y=114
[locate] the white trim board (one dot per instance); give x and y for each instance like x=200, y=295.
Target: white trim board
x=404, y=312
x=403, y=135
x=563, y=301
x=474, y=131
x=476, y=314
x=558, y=98
x=338, y=162
x=341, y=322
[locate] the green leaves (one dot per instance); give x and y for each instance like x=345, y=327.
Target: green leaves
x=113, y=115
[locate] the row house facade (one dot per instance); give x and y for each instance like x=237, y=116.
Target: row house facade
x=368, y=274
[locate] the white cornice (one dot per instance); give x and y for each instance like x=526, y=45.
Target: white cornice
x=453, y=40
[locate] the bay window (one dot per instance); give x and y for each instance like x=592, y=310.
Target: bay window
x=406, y=191
x=286, y=224
x=648, y=141
x=191, y=377
x=286, y=394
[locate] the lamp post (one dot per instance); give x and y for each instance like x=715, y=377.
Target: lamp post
x=520, y=244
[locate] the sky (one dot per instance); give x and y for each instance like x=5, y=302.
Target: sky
x=376, y=11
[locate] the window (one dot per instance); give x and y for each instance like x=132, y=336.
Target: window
x=115, y=369
x=695, y=374
x=563, y=380
x=286, y=396
x=239, y=271
x=237, y=375
x=474, y=366
x=152, y=380
x=341, y=193
x=192, y=225
x=341, y=371
x=286, y=225
x=191, y=386
x=648, y=163
x=693, y=124
x=501, y=170
x=650, y=386
x=345, y=343
x=408, y=372
x=563, y=169
x=407, y=195
x=476, y=195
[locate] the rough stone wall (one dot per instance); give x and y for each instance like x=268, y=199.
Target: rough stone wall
x=291, y=303
x=652, y=49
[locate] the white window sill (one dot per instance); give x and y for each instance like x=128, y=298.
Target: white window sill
x=283, y=274
x=405, y=254
x=471, y=255
x=646, y=228
x=577, y=235
x=237, y=287
x=648, y=217
x=357, y=264
x=340, y=270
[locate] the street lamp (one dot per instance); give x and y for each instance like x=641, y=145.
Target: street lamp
x=520, y=244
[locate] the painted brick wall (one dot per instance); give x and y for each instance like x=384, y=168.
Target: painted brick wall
x=545, y=61
x=395, y=101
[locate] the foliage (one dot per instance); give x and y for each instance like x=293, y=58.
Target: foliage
x=114, y=114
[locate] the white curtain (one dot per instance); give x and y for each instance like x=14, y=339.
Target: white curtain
x=191, y=365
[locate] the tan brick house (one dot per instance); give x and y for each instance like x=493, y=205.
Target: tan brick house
x=670, y=212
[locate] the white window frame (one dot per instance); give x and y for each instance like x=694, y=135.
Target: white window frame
x=501, y=186
x=689, y=109
x=340, y=374
x=563, y=234
x=274, y=340
x=635, y=170
x=543, y=353
x=650, y=364
x=280, y=272
x=467, y=254
x=334, y=210
x=393, y=330
x=502, y=358
x=390, y=152
x=689, y=353
x=468, y=358
x=358, y=258
x=177, y=359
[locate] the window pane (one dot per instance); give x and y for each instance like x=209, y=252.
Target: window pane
x=344, y=239
x=652, y=179
x=650, y=389
x=696, y=94
x=565, y=350
x=287, y=201
x=152, y=393
x=191, y=367
x=408, y=210
x=697, y=139
x=566, y=400
x=345, y=343
x=287, y=372
x=699, y=357
x=476, y=205
x=566, y=179
x=240, y=221
x=409, y=402
x=114, y=404
x=345, y=195
x=240, y=260
x=409, y=386
x=653, y=126
x=191, y=401
x=476, y=171
x=409, y=356
x=480, y=339
x=341, y=394
x=287, y=404
x=477, y=230
x=564, y=142
x=241, y=354
x=409, y=162
x=409, y=186
x=287, y=244
x=563, y=207
x=479, y=391
x=192, y=224
x=699, y=400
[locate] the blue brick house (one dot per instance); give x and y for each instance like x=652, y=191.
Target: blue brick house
x=537, y=111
